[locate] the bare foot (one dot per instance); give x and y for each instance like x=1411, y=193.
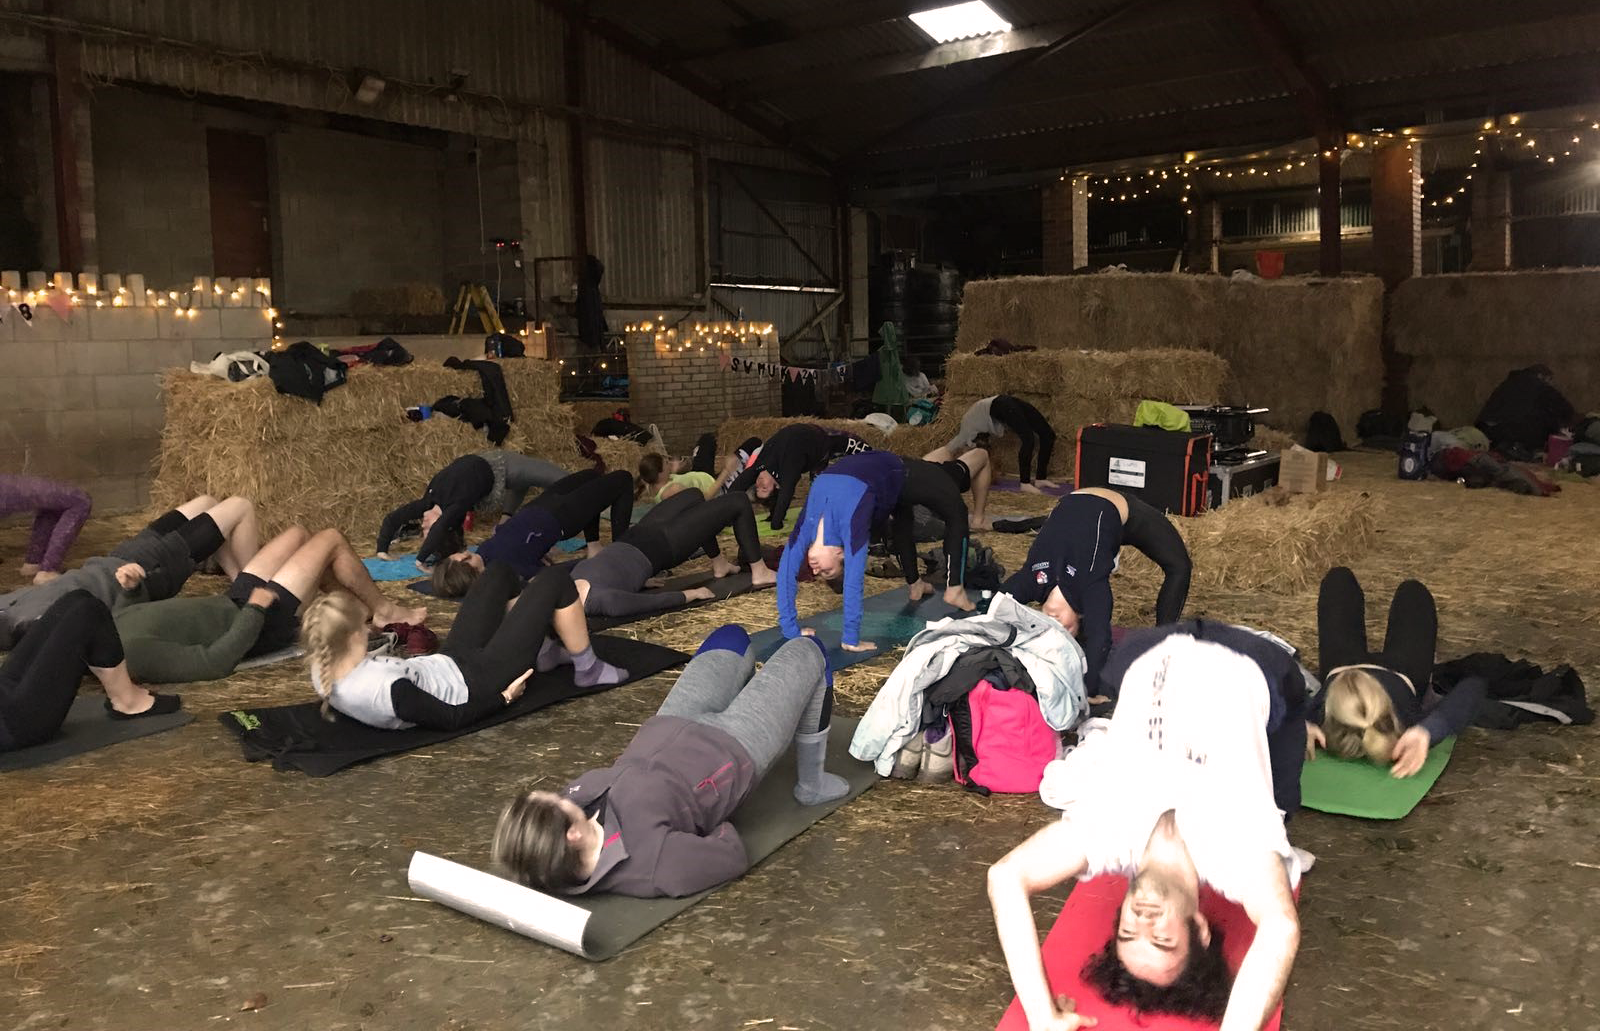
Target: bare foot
x=393, y=613
x=957, y=597
x=28, y=569
x=761, y=576
x=593, y=549
x=721, y=567
x=1047, y=484
x=699, y=594
x=920, y=589
x=980, y=523
x=1030, y=488
x=44, y=576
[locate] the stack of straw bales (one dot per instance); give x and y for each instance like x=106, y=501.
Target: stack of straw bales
x=1463, y=333
x=1295, y=345
x=350, y=460
x=1072, y=388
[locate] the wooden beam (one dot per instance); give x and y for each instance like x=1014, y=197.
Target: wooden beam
x=65, y=100
x=1284, y=52
x=827, y=277
x=577, y=135
x=816, y=317
x=1330, y=233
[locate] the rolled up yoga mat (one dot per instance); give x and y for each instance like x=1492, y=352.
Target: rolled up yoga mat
x=297, y=737
x=600, y=926
x=1084, y=927
x=888, y=620
x=1358, y=787
x=88, y=727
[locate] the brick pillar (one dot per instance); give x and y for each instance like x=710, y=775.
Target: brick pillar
x=1397, y=212
x=1396, y=247
x=1491, y=220
x=1065, y=212
x=1205, y=230
x=687, y=392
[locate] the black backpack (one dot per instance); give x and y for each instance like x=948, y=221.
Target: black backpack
x=1322, y=433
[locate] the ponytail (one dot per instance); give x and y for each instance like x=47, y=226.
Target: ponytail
x=1359, y=717
x=327, y=623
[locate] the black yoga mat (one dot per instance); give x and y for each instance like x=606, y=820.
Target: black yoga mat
x=767, y=821
x=88, y=726
x=296, y=737
x=723, y=587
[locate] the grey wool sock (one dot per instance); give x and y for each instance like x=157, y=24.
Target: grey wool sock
x=814, y=785
x=589, y=669
x=551, y=654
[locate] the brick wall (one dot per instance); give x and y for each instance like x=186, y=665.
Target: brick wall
x=1396, y=213
x=85, y=405
x=687, y=393
x=1065, y=213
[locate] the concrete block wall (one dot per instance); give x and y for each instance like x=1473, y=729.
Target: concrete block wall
x=687, y=393
x=85, y=402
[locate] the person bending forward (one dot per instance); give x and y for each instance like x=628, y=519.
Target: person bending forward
x=656, y=822
x=993, y=416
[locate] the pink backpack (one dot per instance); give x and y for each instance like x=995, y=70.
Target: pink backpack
x=1002, y=742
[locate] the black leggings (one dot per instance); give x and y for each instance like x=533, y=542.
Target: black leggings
x=1408, y=643
x=578, y=500
x=1153, y=534
x=40, y=677
x=934, y=488
x=1025, y=421
x=704, y=457
x=494, y=646
x=685, y=523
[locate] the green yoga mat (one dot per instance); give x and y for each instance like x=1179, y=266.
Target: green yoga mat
x=1356, y=787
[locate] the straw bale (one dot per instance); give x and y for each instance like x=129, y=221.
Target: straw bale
x=404, y=299
x=618, y=453
x=587, y=411
x=1464, y=332
x=1295, y=345
x=351, y=459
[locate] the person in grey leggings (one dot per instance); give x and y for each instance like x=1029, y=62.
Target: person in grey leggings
x=514, y=475
x=656, y=823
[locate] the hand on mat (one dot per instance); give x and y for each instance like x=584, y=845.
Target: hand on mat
x=806, y=631
x=1410, y=752
x=1065, y=1018
x=655, y=581
x=864, y=646
x=130, y=576
x=423, y=567
x=699, y=594
x=514, y=691
x=1315, y=739
x=384, y=555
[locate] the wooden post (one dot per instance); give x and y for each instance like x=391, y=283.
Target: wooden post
x=1331, y=256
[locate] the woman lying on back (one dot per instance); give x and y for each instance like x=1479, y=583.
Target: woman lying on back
x=1375, y=704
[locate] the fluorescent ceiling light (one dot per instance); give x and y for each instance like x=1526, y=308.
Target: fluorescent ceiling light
x=960, y=21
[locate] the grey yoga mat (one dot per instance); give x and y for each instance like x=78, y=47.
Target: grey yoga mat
x=88, y=726
x=601, y=926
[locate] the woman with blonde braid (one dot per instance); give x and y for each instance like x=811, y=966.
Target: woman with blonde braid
x=1375, y=704
x=485, y=662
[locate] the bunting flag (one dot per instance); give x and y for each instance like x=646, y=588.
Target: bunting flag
x=60, y=303
x=777, y=370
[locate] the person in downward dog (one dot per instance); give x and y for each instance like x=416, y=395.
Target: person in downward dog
x=1204, y=748
x=801, y=449
x=656, y=822
x=613, y=582
x=492, y=480
x=1374, y=704
x=993, y=416
x=484, y=663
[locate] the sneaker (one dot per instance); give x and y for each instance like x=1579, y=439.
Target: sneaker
x=938, y=760
x=909, y=760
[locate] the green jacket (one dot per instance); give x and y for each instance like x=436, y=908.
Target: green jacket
x=183, y=640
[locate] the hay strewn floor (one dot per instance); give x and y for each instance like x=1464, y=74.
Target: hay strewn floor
x=163, y=883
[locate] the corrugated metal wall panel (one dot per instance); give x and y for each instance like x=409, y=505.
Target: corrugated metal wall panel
x=621, y=87
x=642, y=219
x=752, y=247
x=786, y=312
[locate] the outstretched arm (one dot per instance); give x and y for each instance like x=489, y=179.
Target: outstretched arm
x=407, y=513
x=431, y=548
x=1043, y=861
x=1259, y=984
x=790, y=469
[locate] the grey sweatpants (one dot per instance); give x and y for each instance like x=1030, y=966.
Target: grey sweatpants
x=761, y=712
x=514, y=475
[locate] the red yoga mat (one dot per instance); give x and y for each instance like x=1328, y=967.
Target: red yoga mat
x=1082, y=930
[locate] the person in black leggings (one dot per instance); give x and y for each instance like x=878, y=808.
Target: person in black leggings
x=570, y=505
x=938, y=489
x=486, y=662
x=1069, y=566
x=669, y=535
x=993, y=416
x=40, y=677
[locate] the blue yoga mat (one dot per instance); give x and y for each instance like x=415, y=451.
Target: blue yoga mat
x=887, y=620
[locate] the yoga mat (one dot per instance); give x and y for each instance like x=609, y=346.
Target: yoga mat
x=297, y=737
x=1083, y=929
x=888, y=620
x=402, y=568
x=294, y=651
x=88, y=726
x=600, y=926
x=1357, y=787
x=1060, y=490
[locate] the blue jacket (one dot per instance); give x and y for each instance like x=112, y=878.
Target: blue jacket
x=849, y=498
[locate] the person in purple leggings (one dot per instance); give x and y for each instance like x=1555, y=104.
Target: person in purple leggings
x=59, y=512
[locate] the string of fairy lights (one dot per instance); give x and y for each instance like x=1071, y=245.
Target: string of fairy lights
x=1510, y=140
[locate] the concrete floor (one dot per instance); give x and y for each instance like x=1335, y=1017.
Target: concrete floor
x=166, y=884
